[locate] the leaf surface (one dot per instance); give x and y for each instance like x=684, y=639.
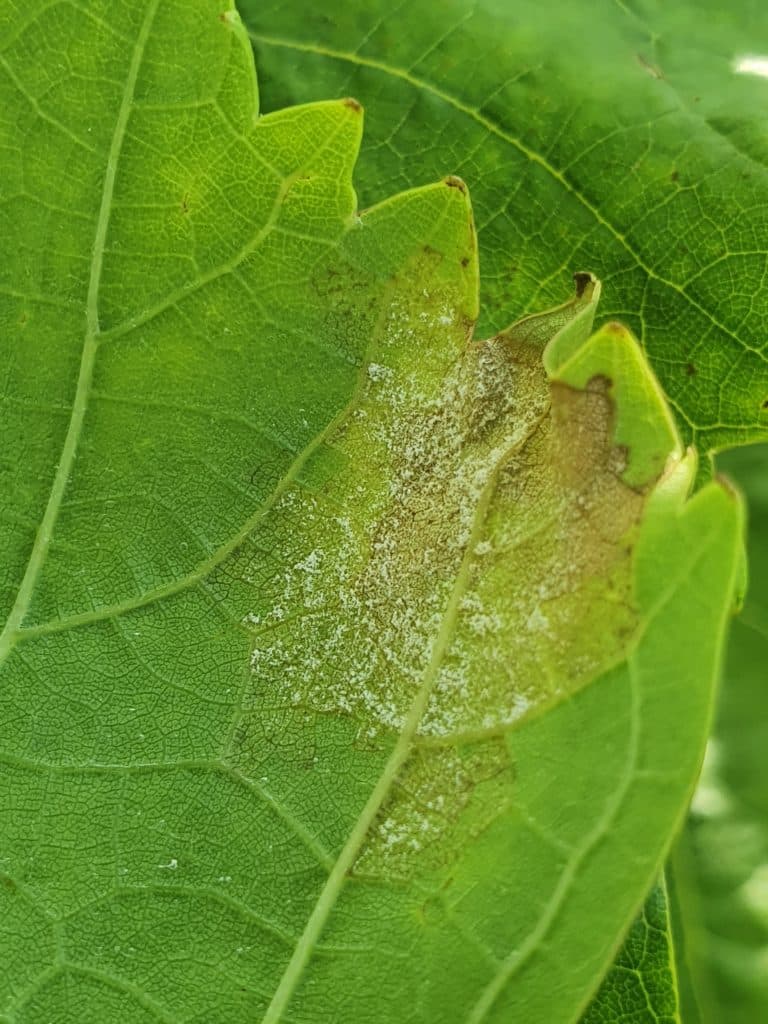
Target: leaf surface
x=724, y=862
x=341, y=669
x=629, y=134
x=641, y=985
x=624, y=137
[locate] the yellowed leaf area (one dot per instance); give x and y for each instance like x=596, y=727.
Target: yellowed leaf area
x=463, y=559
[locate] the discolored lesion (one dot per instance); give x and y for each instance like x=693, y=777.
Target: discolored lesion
x=467, y=543
x=548, y=602
x=444, y=798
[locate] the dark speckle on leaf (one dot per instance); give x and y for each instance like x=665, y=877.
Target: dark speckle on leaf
x=453, y=182
x=581, y=280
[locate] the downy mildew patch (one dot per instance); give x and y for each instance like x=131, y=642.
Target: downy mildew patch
x=490, y=472
x=477, y=507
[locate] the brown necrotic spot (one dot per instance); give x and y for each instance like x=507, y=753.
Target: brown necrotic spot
x=453, y=182
x=581, y=280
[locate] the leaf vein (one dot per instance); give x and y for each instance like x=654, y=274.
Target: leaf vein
x=63, y=472
x=531, y=154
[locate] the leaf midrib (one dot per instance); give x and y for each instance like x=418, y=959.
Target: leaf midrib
x=400, y=753
x=63, y=472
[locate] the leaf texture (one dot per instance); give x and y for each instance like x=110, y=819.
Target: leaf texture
x=641, y=985
x=624, y=137
x=342, y=672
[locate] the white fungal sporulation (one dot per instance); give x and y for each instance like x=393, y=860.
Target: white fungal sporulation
x=443, y=798
x=368, y=562
x=460, y=467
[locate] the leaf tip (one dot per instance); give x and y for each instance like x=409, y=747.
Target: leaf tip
x=614, y=329
x=452, y=181
x=230, y=17
x=583, y=280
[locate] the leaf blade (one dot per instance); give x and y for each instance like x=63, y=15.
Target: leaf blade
x=141, y=734
x=641, y=984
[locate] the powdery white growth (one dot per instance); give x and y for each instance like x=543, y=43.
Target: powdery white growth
x=456, y=475
x=378, y=372
x=462, y=480
x=444, y=797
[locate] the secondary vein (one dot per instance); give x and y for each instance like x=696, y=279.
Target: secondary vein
x=525, y=150
x=63, y=472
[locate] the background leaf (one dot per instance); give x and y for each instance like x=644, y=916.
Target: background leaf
x=641, y=985
x=613, y=137
x=722, y=866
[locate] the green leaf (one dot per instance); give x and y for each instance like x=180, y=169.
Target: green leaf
x=342, y=671
x=724, y=865
x=641, y=985
x=623, y=138
x=638, y=142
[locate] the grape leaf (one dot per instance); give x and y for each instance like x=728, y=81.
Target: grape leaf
x=725, y=859
x=624, y=137
x=641, y=985
x=638, y=142
x=342, y=669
